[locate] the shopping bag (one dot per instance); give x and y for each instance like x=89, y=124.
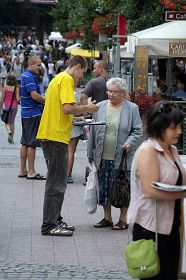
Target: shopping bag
x=91, y=191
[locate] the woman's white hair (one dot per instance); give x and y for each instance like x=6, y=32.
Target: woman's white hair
x=119, y=82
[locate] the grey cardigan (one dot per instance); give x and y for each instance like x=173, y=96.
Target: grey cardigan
x=129, y=130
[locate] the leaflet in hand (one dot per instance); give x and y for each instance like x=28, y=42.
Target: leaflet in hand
x=169, y=188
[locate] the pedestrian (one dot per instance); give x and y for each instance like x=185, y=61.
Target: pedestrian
x=54, y=133
x=157, y=160
x=76, y=133
x=96, y=87
x=17, y=69
x=8, y=95
x=123, y=131
x=31, y=110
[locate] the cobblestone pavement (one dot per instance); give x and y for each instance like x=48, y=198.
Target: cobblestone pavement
x=54, y=272
x=24, y=253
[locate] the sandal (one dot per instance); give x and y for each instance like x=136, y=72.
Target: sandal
x=120, y=226
x=22, y=175
x=36, y=177
x=103, y=223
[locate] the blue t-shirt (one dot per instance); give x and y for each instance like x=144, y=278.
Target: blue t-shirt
x=29, y=107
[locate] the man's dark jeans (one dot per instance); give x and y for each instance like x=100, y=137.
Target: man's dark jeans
x=56, y=157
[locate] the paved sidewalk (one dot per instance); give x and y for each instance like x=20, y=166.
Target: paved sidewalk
x=24, y=253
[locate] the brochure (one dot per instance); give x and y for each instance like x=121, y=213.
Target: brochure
x=169, y=188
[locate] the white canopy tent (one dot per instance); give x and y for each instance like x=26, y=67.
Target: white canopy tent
x=157, y=38
x=56, y=36
x=74, y=46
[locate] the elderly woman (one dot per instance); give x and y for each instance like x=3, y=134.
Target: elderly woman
x=123, y=130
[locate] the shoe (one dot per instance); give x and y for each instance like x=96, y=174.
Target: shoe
x=70, y=180
x=103, y=223
x=22, y=175
x=65, y=226
x=58, y=231
x=120, y=226
x=36, y=177
x=10, y=137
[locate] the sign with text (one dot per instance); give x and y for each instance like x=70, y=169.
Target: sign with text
x=141, y=70
x=177, y=48
x=175, y=15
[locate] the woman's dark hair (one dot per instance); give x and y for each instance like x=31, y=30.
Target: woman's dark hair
x=11, y=80
x=160, y=117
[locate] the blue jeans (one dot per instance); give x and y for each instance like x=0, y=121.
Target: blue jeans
x=56, y=157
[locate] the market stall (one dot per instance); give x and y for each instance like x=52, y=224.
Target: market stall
x=158, y=39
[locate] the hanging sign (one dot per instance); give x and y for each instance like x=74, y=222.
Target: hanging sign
x=175, y=15
x=177, y=48
x=141, y=70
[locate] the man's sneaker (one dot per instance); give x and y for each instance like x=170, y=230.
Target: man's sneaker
x=58, y=231
x=70, y=180
x=65, y=226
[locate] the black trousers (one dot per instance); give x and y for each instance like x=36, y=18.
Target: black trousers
x=168, y=251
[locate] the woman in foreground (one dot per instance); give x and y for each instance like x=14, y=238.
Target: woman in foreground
x=157, y=160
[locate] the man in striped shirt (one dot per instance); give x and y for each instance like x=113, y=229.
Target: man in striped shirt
x=31, y=110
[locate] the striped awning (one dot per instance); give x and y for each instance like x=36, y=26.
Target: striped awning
x=49, y=2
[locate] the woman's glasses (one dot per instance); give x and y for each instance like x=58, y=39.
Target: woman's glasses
x=113, y=92
x=167, y=107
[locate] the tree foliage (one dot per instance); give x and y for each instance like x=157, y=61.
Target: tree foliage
x=79, y=14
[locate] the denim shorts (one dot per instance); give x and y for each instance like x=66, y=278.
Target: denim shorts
x=29, y=131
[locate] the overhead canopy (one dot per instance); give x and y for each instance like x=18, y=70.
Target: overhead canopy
x=159, y=38
x=74, y=46
x=56, y=36
x=85, y=53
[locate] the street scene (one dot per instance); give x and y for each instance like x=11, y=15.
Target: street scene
x=92, y=139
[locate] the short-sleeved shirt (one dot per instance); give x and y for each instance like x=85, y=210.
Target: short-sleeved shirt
x=29, y=107
x=55, y=125
x=96, y=88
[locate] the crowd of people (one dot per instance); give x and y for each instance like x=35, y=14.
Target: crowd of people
x=47, y=121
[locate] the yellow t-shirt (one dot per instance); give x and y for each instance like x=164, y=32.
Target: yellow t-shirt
x=55, y=125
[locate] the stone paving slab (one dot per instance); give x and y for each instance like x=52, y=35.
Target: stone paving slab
x=38, y=271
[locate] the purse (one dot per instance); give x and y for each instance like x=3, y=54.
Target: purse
x=120, y=193
x=142, y=256
x=5, y=114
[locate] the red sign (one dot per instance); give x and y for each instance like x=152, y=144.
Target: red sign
x=169, y=15
x=122, y=29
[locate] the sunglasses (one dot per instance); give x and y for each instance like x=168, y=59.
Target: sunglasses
x=167, y=107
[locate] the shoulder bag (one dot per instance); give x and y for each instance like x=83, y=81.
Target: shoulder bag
x=120, y=193
x=142, y=256
x=5, y=114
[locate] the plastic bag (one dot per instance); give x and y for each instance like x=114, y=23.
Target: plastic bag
x=91, y=191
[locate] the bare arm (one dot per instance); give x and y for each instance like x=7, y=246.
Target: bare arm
x=147, y=165
x=37, y=97
x=83, y=99
x=80, y=109
x=17, y=94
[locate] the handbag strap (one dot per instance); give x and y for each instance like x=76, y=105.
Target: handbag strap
x=123, y=159
x=12, y=100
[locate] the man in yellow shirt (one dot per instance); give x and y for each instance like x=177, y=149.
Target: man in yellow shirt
x=54, y=133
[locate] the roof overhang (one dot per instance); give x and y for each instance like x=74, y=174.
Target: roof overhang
x=44, y=2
